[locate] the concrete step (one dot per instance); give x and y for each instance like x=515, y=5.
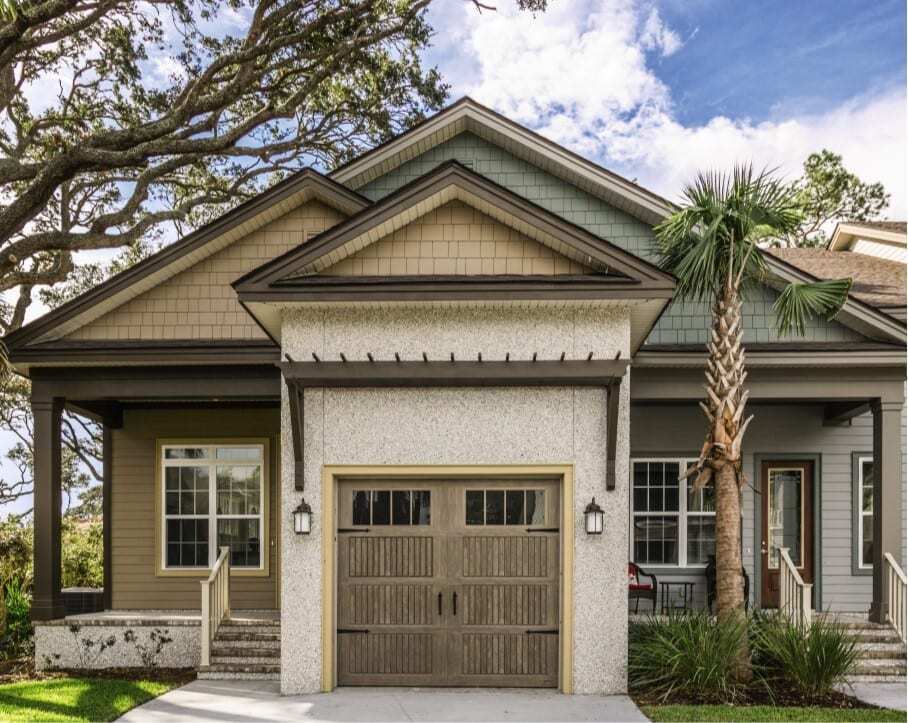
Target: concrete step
x=232, y=629
x=251, y=644
x=252, y=620
x=879, y=667
x=219, y=675
x=877, y=679
x=246, y=660
x=230, y=651
x=230, y=636
x=239, y=671
x=867, y=635
x=892, y=651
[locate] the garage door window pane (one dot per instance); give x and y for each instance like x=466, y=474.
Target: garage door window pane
x=381, y=507
x=475, y=507
x=422, y=507
x=361, y=507
x=400, y=503
x=535, y=507
x=494, y=507
x=514, y=507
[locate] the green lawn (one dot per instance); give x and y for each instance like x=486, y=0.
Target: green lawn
x=766, y=713
x=76, y=699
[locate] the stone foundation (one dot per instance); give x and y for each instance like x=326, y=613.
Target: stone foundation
x=86, y=642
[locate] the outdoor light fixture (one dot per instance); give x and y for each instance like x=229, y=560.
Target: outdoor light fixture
x=302, y=518
x=595, y=518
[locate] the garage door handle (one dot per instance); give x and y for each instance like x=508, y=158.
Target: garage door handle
x=454, y=599
x=439, y=603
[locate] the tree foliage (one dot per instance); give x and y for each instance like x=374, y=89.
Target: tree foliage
x=828, y=192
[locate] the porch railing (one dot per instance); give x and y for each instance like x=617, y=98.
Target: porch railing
x=897, y=586
x=215, y=601
x=795, y=595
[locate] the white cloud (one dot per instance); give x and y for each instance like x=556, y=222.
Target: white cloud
x=583, y=74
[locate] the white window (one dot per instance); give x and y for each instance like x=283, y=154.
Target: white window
x=671, y=525
x=213, y=496
x=865, y=515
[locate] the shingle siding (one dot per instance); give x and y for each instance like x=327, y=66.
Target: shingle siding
x=682, y=323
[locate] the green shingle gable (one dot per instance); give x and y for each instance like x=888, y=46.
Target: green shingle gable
x=682, y=323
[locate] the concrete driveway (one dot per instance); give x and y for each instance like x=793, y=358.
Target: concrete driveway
x=236, y=700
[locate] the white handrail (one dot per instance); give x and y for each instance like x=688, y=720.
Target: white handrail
x=897, y=587
x=215, y=601
x=795, y=595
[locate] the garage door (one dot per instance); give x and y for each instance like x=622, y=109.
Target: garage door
x=448, y=583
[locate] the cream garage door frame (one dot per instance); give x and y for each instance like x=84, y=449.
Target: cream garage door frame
x=331, y=474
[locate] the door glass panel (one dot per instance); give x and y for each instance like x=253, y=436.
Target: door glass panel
x=785, y=521
x=514, y=507
x=400, y=500
x=475, y=506
x=381, y=507
x=360, y=507
x=494, y=507
x=422, y=507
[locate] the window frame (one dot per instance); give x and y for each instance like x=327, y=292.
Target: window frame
x=212, y=443
x=859, y=567
x=682, y=515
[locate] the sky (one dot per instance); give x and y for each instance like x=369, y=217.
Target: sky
x=658, y=90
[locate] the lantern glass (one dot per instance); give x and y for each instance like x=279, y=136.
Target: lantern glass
x=595, y=518
x=302, y=519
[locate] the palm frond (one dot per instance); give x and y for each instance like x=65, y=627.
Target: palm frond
x=798, y=302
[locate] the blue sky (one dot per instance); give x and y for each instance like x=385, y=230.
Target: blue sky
x=657, y=90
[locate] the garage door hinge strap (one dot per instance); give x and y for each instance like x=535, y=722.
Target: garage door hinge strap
x=553, y=631
x=350, y=630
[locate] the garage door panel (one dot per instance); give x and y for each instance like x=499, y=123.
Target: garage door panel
x=391, y=603
x=521, y=604
x=390, y=556
x=504, y=659
x=390, y=658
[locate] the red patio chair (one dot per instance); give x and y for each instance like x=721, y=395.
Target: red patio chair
x=637, y=588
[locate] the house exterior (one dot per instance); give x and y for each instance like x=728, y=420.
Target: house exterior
x=449, y=348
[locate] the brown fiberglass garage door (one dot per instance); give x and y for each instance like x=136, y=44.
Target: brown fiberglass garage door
x=448, y=583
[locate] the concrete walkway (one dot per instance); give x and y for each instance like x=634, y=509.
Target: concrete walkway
x=234, y=700
x=884, y=695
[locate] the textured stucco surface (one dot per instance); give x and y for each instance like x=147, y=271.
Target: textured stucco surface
x=77, y=646
x=462, y=426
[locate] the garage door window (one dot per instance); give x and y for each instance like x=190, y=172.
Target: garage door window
x=505, y=507
x=392, y=507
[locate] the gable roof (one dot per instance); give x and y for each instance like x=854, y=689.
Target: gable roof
x=447, y=182
x=887, y=232
x=189, y=250
x=466, y=115
x=876, y=281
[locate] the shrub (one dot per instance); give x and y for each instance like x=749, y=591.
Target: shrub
x=83, y=553
x=689, y=654
x=17, y=631
x=811, y=659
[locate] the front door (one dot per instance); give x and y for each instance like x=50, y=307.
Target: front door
x=448, y=583
x=787, y=497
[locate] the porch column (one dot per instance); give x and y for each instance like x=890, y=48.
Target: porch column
x=887, y=497
x=47, y=601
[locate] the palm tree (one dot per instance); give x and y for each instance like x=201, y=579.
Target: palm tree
x=711, y=244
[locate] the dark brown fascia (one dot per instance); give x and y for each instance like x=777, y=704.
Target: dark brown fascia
x=280, y=270
x=439, y=288
x=542, y=140
x=329, y=191
x=134, y=352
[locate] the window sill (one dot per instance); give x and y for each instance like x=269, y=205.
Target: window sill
x=697, y=570
x=203, y=573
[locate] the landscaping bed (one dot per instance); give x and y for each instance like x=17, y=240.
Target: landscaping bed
x=747, y=713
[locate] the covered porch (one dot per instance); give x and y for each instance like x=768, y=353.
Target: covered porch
x=820, y=417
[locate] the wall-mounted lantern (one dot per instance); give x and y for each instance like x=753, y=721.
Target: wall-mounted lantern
x=302, y=518
x=595, y=518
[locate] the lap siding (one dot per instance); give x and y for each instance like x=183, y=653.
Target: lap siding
x=135, y=584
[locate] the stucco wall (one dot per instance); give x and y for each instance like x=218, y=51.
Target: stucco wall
x=462, y=426
x=780, y=430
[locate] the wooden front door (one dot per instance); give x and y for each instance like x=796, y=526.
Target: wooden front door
x=787, y=498
x=448, y=583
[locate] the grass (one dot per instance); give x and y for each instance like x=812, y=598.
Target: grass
x=767, y=713
x=76, y=699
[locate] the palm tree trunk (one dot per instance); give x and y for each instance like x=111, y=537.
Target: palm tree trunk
x=725, y=377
